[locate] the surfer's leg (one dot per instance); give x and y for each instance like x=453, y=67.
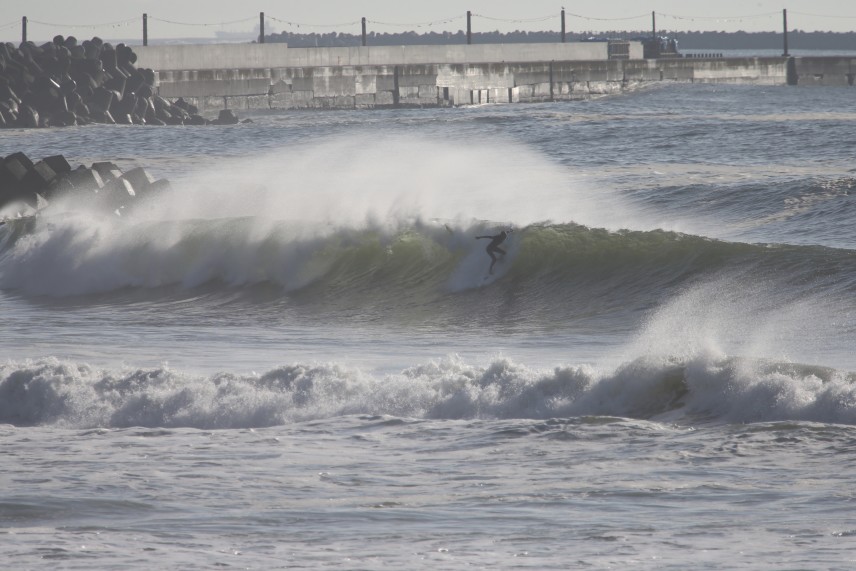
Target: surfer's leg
x=500, y=250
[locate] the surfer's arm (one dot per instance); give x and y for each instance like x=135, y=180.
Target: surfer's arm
x=477, y=237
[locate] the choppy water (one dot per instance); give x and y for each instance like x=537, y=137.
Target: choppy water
x=297, y=359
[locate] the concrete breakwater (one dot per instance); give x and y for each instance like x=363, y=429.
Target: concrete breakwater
x=275, y=76
x=27, y=186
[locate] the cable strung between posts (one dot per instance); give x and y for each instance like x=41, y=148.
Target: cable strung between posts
x=88, y=26
x=516, y=21
x=10, y=24
x=642, y=16
x=821, y=15
x=417, y=25
x=297, y=24
x=722, y=18
x=196, y=24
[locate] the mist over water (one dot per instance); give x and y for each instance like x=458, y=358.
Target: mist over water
x=351, y=180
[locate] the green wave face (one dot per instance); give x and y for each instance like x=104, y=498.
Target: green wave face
x=416, y=270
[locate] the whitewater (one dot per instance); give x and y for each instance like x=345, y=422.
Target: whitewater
x=296, y=357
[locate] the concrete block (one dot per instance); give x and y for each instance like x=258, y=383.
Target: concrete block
x=427, y=91
x=107, y=170
x=365, y=100
x=282, y=100
x=408, y=92
x=215, y=87
x=62, y=187
x=120, y=190
x=9, y=112
x=499, y=95
x=116, y=84
x=108, y=57
x=416, y=80
x=334, y=86
x=12, y=174
x=39, y=178
x=365, y=84
x=28, y=117
x=159, y=185
x=227, y=117
x=86, y=179
x=302, y=84
x=254, y=102
x=102, y=100
x=139, y=179
x=280, y=87
x=22, y=158
x=186, y=106
x=344, y=101
x=384, y=98
x=124, y=106
x=103, y=117
x=384, y=83
x=303, y=98
x=541, y=90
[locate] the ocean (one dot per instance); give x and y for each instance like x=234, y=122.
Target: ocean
x=298, y=359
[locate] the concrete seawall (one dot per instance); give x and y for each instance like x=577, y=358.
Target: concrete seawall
x=253, y=76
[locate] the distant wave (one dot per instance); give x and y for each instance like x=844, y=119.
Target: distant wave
x=704, y=388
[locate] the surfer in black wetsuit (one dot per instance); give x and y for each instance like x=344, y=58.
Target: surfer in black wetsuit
x=493, y=247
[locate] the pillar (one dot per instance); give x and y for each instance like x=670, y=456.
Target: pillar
x=563, y=25
x=469, y=27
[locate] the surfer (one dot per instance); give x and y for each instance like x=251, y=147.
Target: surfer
x=493, y=247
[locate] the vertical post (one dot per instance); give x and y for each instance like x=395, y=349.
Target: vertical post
x=364, y=31
x=469, y=27
x=261, y=27
x=654, y=25
x=145, y=29
x=552, y=96
x=396, y=94
x=785, y=25
x=24, y=30
x=563, y=25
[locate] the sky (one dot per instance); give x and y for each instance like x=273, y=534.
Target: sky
x=171, y=19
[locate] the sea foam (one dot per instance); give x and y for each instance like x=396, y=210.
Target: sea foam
x=706, y=388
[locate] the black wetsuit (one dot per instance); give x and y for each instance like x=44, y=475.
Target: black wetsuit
x=493, y=247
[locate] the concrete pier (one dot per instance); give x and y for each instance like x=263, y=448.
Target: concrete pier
x=261, y=76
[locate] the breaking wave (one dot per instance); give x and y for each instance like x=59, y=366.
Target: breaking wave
x=706, y=388
x=550, y=270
